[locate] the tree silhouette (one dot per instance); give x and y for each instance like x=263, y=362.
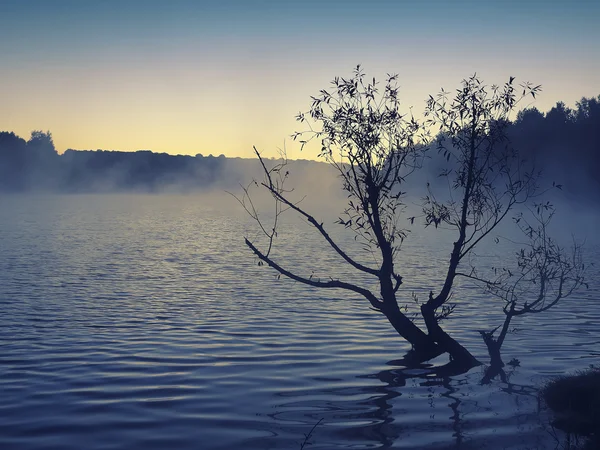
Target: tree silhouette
x=545, y=273
x=374, y=148
x=41, y=144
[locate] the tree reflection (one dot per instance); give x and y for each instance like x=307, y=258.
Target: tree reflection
x=468, y=403
x=484, y=408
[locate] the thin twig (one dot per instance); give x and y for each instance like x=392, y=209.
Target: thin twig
x=307, y=436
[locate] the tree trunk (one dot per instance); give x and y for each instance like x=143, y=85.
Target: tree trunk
x=424, y=347
x=494, y=345
x=457, y=352
x=494, y=350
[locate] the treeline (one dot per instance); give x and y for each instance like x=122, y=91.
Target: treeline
x=24, y=164
x=35, y=165
x=143, y=170
x=564, y=142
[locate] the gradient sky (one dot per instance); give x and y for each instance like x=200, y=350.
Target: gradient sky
x=187, y=77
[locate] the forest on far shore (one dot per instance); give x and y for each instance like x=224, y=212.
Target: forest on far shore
x=563, y=142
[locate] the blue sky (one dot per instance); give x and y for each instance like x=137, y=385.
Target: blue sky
x=222, y=76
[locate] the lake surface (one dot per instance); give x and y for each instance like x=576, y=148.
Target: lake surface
x=143, y=322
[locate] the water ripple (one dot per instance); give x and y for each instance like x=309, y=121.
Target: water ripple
x=142, y=322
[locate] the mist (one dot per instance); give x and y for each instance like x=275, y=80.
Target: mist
x=562, y=143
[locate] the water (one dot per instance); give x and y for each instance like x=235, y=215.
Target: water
x=141, y=322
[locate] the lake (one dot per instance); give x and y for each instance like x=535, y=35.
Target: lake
x=143, y=322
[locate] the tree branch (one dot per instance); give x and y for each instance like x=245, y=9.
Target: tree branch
x=335, y=284
x=272, y=188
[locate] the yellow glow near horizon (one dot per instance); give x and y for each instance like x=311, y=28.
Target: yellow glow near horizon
x=204, y=77
x=223, y=107
x=175, y=126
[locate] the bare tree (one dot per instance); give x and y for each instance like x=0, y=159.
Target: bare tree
x=545, y=273
x=374, y=148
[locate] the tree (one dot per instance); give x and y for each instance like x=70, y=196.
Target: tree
x=544, y=274
x=374, y=148
x=13, y=161
x=487, y=179
x=41, y=145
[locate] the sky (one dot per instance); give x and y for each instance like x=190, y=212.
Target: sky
x=218, y=77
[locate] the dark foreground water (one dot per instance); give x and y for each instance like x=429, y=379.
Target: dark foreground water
x=141, y=322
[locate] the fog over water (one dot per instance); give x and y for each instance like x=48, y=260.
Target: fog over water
x=563, y=142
